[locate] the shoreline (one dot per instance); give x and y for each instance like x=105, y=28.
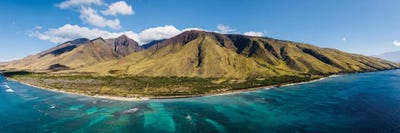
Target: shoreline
x=143, y=98
x=82, y=94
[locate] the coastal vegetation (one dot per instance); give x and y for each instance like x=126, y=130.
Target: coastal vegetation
x=155, y=87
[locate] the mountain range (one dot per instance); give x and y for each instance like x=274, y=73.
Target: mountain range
x=77, y=53
x=390, y=56
x=196, y=54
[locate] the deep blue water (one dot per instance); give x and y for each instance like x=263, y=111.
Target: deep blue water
x=367, y=102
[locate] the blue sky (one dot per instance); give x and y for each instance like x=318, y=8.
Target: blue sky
x=366, y=27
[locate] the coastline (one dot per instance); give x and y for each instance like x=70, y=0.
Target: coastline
x=143, y=98
x=270, y=86
x=82, y=94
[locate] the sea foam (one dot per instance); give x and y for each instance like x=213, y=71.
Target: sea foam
x=188, y=117
x=130, y=111
x=7, y=86
x=9, y=90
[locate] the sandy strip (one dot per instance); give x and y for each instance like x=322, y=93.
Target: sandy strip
x=82, y=94
x=267, y=87
x=172, y=97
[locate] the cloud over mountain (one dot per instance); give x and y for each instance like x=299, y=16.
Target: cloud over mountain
x=101, y=16
x=70, y=32
x=253, y=33
x=158, y=33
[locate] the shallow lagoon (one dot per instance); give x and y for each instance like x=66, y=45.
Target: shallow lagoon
x=366, y=102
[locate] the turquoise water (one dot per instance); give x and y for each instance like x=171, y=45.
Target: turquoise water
x=367, y=102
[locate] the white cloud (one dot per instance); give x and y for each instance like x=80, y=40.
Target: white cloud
x=3, y=60
x=162, y=32
x=158, y=33
x=224, y=29
x=70, y=32
x=188, y=29
x=90, y=16
x=253, y=33
x=72, y=3
x=344, y=39
x=38, y=27
x=119, y=7
x=396, y=43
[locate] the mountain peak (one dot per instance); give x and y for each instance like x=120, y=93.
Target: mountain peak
x=184, y=38
x=125, y=40
x=181, y=39
x=123, y=45
x=188, y=36
x=123, y=36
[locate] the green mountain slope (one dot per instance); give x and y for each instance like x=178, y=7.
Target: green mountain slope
x=207, y=54
x=76, y=54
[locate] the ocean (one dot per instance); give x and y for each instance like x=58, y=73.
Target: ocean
x=363, y=102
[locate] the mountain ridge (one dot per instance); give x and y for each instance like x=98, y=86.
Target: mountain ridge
x=77, y=53
x=209, y=54
x=390, y=56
